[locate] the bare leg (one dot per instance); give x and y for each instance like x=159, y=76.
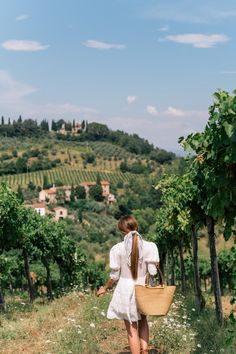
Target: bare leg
x=133, y=337
x=143, y=333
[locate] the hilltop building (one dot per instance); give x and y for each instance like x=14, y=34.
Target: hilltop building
x=75, y=129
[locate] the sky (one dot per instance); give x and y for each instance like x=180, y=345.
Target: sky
x=143, y=66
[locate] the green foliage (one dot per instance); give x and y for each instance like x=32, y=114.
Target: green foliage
x=214, y=168
x=96, y=192
x=39, y=238
x=20, y=194
x=145, y=218
x=227, y=269
x=65, y=175
x=88, y=157
x=80, y=192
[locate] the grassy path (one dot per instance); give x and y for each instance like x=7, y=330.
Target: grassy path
x=74, y=324
x=77, y=324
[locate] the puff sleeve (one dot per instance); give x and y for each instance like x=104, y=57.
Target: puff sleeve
x=114, y=263
x=153, y=259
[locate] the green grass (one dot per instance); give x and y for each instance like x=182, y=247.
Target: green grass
x=186, y=330
x=76, y=323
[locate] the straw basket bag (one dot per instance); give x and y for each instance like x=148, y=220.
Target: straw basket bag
x=154, y=300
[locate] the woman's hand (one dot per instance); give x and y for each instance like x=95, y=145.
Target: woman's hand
x=101, y=291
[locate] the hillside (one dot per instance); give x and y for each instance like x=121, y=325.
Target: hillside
x=66, y=175
x=24, y=160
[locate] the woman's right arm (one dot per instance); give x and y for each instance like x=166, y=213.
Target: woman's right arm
x=103, y=290
x=115, y=270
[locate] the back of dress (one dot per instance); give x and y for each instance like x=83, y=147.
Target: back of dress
x=123, y=304
x=120, y=266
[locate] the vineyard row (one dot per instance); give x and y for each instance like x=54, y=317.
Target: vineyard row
x=66, y=175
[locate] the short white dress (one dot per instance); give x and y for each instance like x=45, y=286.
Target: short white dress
x=123, y=304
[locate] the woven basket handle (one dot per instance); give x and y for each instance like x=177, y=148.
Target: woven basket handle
x=161, y=278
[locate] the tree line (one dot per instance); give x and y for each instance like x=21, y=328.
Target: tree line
x=88, y=132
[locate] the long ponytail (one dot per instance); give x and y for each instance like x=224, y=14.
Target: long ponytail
x=134, y=257
x=127, y=224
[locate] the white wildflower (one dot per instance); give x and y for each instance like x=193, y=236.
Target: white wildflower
x=92, y=325
x=193, y=309
x=103, y=313
x=199, y=345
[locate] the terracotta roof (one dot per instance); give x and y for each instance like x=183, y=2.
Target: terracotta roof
x=64, y=187
x=104, y=182
x=37, y=205
x=88, y=184
x=59, y=208
x=50, y=191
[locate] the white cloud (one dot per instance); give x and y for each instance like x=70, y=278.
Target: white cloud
x=91, y=43
x=152, y=110
x=22, y=17
x=175, y=112
x=14, y=99
x=164, y=29
x=11, y=90
x=23, y=45
x=131, y=99
x=198, y=40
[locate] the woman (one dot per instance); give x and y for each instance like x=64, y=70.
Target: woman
x=129, y=262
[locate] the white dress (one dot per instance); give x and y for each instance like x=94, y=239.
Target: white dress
x=123, y=304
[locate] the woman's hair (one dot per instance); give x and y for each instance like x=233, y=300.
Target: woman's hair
x=126, y=224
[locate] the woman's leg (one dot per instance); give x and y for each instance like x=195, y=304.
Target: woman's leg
x=143, y=333
x=133, y=337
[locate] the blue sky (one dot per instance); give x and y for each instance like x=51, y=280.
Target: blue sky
x=143, y=66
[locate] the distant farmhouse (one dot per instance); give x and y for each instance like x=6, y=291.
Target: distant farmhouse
x=49, y=196
x=42, y=209
x=39, y=207
x=75, y=129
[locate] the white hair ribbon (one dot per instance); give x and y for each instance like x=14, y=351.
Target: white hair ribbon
x=128, y=239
